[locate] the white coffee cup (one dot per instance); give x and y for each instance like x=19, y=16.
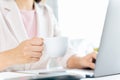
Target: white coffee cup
x=55, y=46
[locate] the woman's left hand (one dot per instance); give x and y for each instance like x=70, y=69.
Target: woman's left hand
x=82, y=62
x=87, y=61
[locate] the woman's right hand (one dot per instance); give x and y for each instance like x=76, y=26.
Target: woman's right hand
x=28, y=51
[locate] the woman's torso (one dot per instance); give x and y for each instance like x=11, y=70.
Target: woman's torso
x=13, y=32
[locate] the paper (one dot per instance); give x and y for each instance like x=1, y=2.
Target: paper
x=9, y=75
x=113, y=77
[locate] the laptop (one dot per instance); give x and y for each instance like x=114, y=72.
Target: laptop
x=108, y=58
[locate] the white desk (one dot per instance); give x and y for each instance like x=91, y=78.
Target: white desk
x=9, y=75
x=43, y=73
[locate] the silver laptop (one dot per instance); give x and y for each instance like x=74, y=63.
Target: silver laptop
x=108, y=59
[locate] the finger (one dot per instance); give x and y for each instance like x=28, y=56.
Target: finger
x=91, y=65
x=34, y=59
x=36, y=41
x=37, y=38
x=37, y=48
x=36, y=54
x=94, y=55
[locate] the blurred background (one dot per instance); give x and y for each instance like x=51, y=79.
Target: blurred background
x=80, y=19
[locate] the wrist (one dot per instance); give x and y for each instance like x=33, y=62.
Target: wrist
x=73, y=62
x=7, y=59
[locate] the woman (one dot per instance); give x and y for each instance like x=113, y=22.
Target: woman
x=23, y=24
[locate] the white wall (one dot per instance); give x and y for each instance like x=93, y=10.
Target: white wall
x=82, y=18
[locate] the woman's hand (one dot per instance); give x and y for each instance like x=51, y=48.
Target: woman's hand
x=82, y=62
x=87, y=61
x=28, y=51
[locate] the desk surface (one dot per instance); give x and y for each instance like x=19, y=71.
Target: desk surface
x=9, y=75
